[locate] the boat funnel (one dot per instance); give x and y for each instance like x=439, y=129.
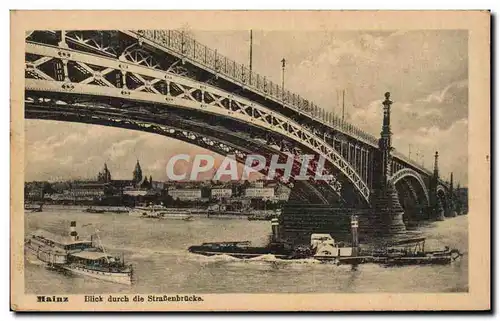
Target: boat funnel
x=72, y=230
x=275, y=227
x=354, y=233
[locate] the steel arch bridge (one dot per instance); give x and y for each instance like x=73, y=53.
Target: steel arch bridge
x=166, y=83
x=408, y=173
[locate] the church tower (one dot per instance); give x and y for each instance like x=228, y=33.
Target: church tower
x=106, y=174
x=137, y=174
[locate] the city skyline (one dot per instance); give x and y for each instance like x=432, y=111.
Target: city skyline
x=426, y=73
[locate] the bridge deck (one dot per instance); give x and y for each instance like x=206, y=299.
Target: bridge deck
x=176, y=42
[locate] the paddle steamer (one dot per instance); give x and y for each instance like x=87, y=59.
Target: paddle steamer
x=83, y=257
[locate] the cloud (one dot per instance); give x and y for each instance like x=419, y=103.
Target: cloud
x=451, y=143
x=436, y=121
x=361, y=49
x=440, y=95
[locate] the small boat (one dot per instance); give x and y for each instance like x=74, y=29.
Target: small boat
x=78, y=256
x=161, y=212
x=118, y=210
x=33, y=208
x=94, y=210
x=262, y=216
x=412, y=252
x=151, y=207
x=176, y=216
x=145, y=211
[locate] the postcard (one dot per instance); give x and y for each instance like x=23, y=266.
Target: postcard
x=250, y=160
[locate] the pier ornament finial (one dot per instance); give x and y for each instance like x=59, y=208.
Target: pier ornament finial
x=387, y=101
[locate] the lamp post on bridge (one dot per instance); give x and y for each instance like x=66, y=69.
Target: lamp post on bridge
x=283, y=61
x=450, y=211
x=251, y=51
x=436, y=210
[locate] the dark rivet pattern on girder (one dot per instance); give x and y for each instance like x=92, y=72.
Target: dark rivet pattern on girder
x=64, y=54
x=68, y=86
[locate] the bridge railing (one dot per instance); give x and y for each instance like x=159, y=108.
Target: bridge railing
x=410, y=161
x=188, y=47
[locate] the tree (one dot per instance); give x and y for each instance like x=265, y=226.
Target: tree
x=47, y=188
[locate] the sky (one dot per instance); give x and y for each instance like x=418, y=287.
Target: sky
x=425, y=71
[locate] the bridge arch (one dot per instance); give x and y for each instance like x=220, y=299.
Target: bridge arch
x=163, y=89
x=410, y=173
x=441, y=189
x=217, y=139
x=442, y=196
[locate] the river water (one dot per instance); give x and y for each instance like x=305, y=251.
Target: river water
x=158, y=251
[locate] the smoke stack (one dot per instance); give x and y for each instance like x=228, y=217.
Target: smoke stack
x=275, y=228
x=72, y=230
x=354, y=232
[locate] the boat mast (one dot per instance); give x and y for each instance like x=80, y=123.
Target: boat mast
x=102, y=246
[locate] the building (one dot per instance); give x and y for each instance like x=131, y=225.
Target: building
x=132, y=191
x=265, y=192
x=79, y=191
x=221, y=192
x=185, y=194
x=282, y=193
x=86, y=190
x=157, y=185
x=258, y=184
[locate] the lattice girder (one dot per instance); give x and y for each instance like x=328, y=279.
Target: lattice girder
x=236, y=107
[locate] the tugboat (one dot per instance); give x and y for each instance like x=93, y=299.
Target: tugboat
x=78, y=256
x=324, y=248
x=244, y=250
